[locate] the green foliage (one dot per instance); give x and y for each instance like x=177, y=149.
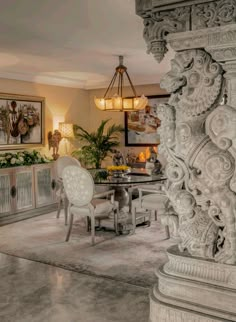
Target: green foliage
x=83, y=156
x=98, y=144
x=9, y=159
x=101, y=175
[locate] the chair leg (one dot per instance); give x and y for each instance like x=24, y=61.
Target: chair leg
x=66, y=204
x=116, y=221
x=152, y=213
x=88, y=224
x=70, y=227
x=93, y=229
x=155, y=215
x=167, y=232
x=133, y=213
x=59, y=208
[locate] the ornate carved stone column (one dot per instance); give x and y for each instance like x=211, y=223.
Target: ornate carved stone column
x=198, y=132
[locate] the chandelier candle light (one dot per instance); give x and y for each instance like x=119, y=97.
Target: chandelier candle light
x=117, y=102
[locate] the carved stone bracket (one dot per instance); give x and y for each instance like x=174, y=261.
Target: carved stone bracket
x=159, y=24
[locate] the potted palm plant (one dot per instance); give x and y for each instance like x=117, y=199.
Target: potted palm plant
x=98, y=143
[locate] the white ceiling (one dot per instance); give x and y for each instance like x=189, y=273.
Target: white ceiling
x=74, y=43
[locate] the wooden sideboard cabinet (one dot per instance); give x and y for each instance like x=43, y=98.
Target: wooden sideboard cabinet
x=26, y=192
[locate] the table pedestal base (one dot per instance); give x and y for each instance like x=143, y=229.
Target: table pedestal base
x=122, y=196
x=125, y=225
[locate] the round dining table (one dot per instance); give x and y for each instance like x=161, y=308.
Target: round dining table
x=124, y=187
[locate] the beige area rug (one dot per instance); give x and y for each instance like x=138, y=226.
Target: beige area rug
x=128, y=258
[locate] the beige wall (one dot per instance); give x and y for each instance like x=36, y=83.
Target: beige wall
x=73, y=105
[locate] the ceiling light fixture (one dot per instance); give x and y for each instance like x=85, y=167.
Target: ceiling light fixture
x=117, y=102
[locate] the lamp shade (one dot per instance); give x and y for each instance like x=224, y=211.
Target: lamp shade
x=66, y=130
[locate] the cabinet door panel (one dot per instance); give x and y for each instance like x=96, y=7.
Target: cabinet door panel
x=44, y=187
x=5, y=194
x=24, y=190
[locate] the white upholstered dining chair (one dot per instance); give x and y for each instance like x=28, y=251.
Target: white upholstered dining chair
x=152, y=200
x=79, y=187
x=60, y=165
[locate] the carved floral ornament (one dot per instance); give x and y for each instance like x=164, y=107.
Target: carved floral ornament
x=159, y=23
x=212, y=14
x=196, y=139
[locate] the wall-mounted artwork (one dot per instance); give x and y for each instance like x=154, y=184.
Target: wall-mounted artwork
x=21, y=121
x=141, y=127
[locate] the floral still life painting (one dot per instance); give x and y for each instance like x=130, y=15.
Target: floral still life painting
x=21, y=119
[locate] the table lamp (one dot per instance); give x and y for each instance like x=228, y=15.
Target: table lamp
x=67, y=132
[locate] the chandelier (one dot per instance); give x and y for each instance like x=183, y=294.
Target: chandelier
x=117, y=102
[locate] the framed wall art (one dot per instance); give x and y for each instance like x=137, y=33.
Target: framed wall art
x=141, y=127
x=21, y=121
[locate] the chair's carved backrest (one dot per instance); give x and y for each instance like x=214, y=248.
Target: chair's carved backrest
x=63, y=162
x=78, y=184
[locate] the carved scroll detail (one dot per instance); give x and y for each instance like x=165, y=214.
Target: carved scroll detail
x=202, y=77
x=197, y=139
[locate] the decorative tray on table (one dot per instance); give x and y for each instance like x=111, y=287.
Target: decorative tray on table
x=118, y=171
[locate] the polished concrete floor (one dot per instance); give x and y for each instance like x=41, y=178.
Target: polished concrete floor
x=45, y=279
x=36, y=292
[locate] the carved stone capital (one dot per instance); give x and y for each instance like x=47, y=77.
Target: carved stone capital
x=170, y=17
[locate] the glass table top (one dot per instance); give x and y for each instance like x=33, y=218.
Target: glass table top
x=136, y=176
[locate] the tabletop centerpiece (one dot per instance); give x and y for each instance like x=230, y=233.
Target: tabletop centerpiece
x=118, y=171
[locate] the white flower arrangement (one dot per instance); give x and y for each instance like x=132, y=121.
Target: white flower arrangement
x=13, y=160
x=21, y=158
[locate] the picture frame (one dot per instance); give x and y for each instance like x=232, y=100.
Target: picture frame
x=141, y=126
x=21, y=121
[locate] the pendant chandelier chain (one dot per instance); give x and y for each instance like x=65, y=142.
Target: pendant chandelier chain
x=120, y=70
